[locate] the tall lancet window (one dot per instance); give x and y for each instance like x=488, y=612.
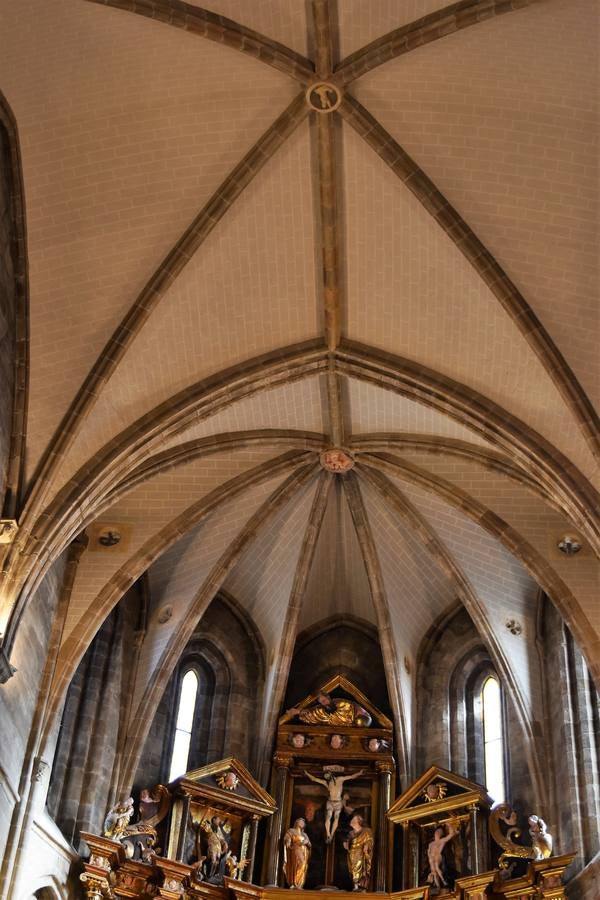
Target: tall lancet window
x=183, y=726
x=493, y=743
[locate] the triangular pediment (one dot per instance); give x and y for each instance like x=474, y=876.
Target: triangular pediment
x=436, y=791
x=340, y=686
x=227, y=780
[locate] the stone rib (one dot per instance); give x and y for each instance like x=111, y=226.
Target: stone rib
x=77, y=643
x=384, y=625
x=410, y=379
x=157, y=286
x=328, y=230
x=10, y=502
x=292, y=616
x=288, y=438
x=484, y=264
x=337, y=430
x=437, y=549
x=432, y=27
x=321, y=14
x=224, y=31
x=446, y=446
x=142, y=721
x=39, y=541
x=539, y=569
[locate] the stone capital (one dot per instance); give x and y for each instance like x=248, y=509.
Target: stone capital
x=283, y=760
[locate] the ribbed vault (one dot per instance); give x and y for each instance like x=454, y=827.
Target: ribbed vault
x=225, y=281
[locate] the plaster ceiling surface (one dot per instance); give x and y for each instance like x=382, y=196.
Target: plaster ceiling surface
x=502, y=587
x=337, y=584
x=427, y=303
x=363, y=21
x=511, y=138
x=518, y=504
x=417, y=591
x=283, y=20
x=315, y=294
x=533, y=520
x=374, y=410
x=297, y=406
x=180, y=576
x=249, y=289
x=149, y=508
x=115, y=170
x=262, y=580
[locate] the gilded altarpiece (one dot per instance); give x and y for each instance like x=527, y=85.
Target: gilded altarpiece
x=333, y=825
x=333, y=762
x=446, y=813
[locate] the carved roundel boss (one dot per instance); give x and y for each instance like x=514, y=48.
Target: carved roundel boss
x=323, y=97
x=336, y=460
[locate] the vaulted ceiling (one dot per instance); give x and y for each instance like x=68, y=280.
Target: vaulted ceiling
x=226, y=280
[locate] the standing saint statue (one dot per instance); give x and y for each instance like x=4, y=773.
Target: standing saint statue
x=218, y=831
x=296, y=854
x=334, y=784
x=360, y=845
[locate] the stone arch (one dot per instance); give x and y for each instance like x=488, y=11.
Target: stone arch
x=47, y=891
x=226, y=645
x=101, y=475
x=452, y=663
x=532, y=560
x=14, y=315
x=73, y=650
x=344, y=645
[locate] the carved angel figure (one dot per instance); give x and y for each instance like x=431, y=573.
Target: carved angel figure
x=540, y=839
x=117, y=819
x=228, y=781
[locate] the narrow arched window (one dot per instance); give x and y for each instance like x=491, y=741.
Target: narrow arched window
x=183, y=727
x=493, y=744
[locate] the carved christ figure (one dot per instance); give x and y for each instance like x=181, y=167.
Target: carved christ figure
x=334, y=785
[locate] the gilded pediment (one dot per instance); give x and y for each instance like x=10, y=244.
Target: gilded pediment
x=226, y=781
x=436, y=792
x=339, y=688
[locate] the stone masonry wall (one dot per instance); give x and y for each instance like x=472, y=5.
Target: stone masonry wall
x=92, y=725
x=450, y=658
x=225, y=650
x=19, y=696
x=344, y=648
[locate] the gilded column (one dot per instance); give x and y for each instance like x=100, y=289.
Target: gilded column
x=385, y=768
x=249, y=872
x=406, y=882
x=475, y=855
x=282, y=762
